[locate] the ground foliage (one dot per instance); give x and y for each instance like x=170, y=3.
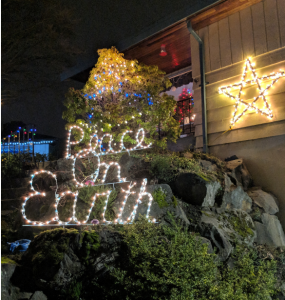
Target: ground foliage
x=168, y=262
x=125, y=95
x=166, y=165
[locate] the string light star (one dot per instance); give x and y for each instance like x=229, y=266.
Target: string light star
x=226, y=90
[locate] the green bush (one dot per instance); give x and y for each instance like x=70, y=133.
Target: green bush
x=165, y=166
x=128, y=95
x=170, y=263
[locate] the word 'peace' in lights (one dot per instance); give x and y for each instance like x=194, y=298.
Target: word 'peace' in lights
x=82, y=153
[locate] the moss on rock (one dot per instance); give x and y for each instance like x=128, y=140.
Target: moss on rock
x=159, y=196
x=90, y=243
x=47, y=251
x=7, y=260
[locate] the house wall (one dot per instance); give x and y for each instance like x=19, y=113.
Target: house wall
x=257, y=32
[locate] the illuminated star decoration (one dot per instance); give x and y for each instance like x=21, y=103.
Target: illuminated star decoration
x=226, y=90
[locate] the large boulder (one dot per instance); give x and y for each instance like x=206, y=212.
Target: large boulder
x=38, y=295
x=223, y=228
x=59, y=258
x=8, y=290
x=264, y=200
x=158, y=210
x=262, y=237
x=204, y=241
x=239, y=173
x=134, y=168
x=237, y=198
x=195, y=190
x=208, y=166
x=274, y=229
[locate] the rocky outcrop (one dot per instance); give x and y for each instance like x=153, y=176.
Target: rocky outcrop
x=212, y=190
x=8, y=290
x=239, y=173
x=237, y=198
x=262, y=237
x=264, y=200
x=274, y=229
x=208, y=166
x=225, y=228
x=133, y=168
x=205, y=241
x=38, y=295
x=195, y=190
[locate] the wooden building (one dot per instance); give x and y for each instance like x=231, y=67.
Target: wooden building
x=232, y=31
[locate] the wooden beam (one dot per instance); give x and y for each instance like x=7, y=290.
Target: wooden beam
x=219, y=12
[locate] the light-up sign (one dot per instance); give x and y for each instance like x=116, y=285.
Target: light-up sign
x=96, y=150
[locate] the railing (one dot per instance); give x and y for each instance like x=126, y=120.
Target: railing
x=185, y=115
x=22, y=147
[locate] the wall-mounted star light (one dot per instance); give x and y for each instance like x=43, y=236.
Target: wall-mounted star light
x=262, y=91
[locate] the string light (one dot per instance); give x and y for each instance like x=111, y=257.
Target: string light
x=142, y=193
x=226, y=90
x=82, y=153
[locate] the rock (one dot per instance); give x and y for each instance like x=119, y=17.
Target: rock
x=229, y=186
x=239, y=173
x=227, y=228
x=262, y=237
x=205, y=241
x=237, y=198
x=134, y=168
x=211, y=230
x=274, y=229
x=282, y=288
x=39, y=296
x=212, y=189
x=194, y=189
x=207, y=165
x=156, y=212
x=69, y=268
x=233, y=157
x=188, y=155
x=64, y=164
x=8, y=290
x=110, y=244
x=63, y=176
x=264, y=200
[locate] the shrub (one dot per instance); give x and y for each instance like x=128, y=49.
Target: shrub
x=165, y=262
x=122, y=94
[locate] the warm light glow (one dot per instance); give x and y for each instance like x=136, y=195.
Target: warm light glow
x=140, y=135
x=226, y=90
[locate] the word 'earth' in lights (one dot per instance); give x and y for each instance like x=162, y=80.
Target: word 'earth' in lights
x=92, y=149
x=227, y=90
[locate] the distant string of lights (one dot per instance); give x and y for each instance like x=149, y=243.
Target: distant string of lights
x=226, y=90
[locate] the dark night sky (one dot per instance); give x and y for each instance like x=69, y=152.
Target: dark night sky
x=102, y=24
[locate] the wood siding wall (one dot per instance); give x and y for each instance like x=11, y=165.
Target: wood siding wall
x=258, y=32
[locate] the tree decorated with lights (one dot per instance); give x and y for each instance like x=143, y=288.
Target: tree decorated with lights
x=123, y=95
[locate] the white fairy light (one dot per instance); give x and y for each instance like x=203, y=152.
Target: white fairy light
x=262, y=92
x=142, y=193
x=92, y=149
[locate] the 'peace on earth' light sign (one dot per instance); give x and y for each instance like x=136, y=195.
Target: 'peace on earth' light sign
x=94, y=148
